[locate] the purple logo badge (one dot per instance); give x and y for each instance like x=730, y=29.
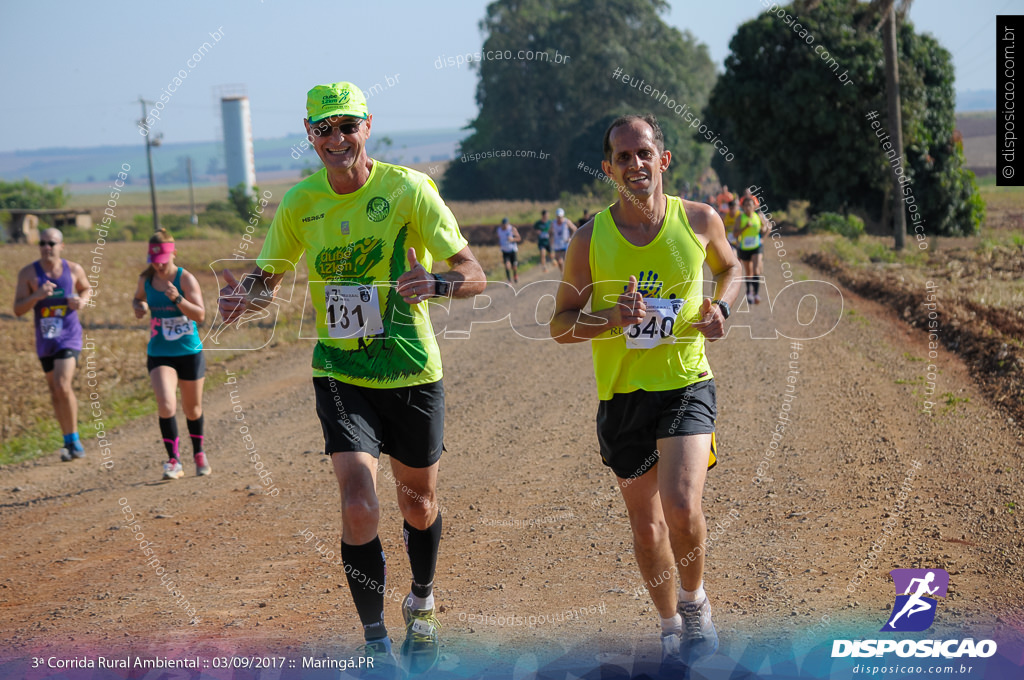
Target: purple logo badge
x=916, y=590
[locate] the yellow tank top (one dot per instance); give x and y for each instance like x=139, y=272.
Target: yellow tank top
x=750, y=232
x=668, y=268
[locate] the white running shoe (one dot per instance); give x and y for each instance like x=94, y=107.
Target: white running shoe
x=671, y=658
x=202, y=467
x=173, y=470
x=700, y=638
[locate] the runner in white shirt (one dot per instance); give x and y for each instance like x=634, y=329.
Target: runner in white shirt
x=508, y=241
x=562, y=230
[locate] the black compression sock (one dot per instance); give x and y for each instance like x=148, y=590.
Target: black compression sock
x=366, y=573
x=421, y=545
x=169, y=431
x=757, y=287
x=195, y=431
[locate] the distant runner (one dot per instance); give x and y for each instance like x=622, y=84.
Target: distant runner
x=56, y=290
x=174, y=356
x=748, y=230
x=543, y=228
x=729, y=218
x=639, y=265
x=508, y=242
x=561, y=231
x=724, y=198
x=746, y=194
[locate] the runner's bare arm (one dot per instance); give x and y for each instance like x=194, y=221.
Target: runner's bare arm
x=254, y=292
x=722, y=262
x=83, y=288
x=720, y=258
x=139, y=304
x=27, y=293
x=192, y=303
x=571, y=323
x=464, y=273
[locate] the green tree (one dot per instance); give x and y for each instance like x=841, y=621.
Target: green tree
x=801, y=132
x=27, y=194
x=244, y=203
x=555, y=107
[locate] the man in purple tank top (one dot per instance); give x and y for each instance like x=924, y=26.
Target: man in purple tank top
x=55, y=290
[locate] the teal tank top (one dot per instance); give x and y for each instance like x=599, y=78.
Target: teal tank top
x=171, y=333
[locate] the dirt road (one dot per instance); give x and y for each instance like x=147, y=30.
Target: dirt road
x=533, y=524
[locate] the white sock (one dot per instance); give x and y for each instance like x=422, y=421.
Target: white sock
x=692, y=595
x=421, y=602
x=673, y=624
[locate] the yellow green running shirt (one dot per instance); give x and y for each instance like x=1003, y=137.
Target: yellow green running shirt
x=662, y=352
x=356, y=244
x=750, y=231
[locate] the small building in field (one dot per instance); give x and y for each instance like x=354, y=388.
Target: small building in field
x=25, y=223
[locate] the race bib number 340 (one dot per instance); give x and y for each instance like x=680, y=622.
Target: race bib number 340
x=656, y=328
x=352, y=311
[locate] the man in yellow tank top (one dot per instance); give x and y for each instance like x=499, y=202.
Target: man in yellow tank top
x=639, y=265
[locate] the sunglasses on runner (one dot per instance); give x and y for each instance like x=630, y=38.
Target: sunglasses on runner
x=325, y=129
x=48, y=243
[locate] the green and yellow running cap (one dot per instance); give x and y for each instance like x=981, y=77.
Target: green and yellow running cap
x=335, y=99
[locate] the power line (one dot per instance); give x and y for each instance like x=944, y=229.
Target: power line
x=986, y=25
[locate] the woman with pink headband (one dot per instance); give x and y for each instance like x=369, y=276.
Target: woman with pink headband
x=175, y=352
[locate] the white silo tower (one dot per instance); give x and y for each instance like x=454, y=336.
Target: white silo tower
x=238, y=153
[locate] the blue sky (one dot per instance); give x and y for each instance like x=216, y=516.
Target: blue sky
x=87, y=64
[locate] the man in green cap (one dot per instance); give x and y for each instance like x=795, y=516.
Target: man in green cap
x=371, y=232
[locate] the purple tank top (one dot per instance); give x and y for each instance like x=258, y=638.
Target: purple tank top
x=57, y=326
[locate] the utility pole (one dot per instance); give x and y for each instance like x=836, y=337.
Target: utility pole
x=892, y=88
x=191, y=193
x=150, y=142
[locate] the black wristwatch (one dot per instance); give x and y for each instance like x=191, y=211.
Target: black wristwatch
x=442, y=286
x=181, y=297
x=724, y=306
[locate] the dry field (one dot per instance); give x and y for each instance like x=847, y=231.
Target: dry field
x=27, y=427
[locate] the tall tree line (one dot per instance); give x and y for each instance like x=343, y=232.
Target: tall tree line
x=562, y=109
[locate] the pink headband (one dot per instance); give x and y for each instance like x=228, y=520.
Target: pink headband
x=160, y=252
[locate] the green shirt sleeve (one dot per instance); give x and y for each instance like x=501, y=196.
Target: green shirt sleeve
x=437, y=225
x=282, y=242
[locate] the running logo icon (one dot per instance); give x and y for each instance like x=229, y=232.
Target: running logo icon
x=916, y=590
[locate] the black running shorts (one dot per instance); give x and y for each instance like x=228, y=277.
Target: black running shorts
x=407, y=423
x=187, y=366
x=48, y=362
x=749, y=254
x=629, y=425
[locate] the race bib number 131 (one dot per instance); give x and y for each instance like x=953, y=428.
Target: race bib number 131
x=352, y=311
